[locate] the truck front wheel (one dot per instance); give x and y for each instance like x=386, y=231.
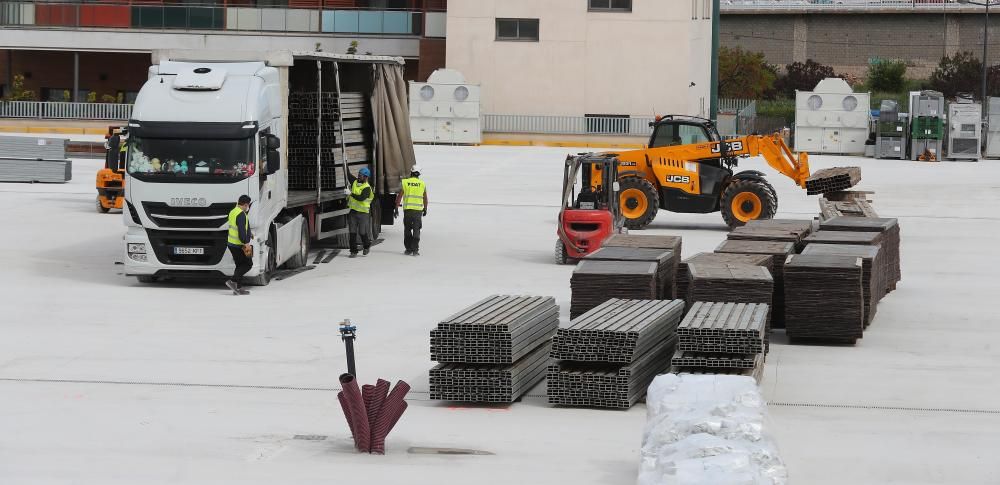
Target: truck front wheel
x=270, y=264
x=301, y=258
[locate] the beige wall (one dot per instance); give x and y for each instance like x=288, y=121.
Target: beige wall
x=640, y=63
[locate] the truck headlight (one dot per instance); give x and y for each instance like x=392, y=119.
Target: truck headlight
x=137, y=248
x=138, y=257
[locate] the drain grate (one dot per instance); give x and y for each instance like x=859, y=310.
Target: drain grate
x=423, y=450
x=885, y=408
x=309, y=437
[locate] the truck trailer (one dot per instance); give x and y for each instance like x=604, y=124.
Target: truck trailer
x=286, y=128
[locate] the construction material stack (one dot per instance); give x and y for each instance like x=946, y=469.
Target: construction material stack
x=717, y=259
x=493, y=351
x=855, y=203
x=34, y=159
x=595, y=282
x=609, y=355
x=665, y=263
x=873, y=278
x=833, y=180
x=965, y=121
x=340, y=123
x=668, y=243
x=722, y=338
x=778, y=251
x=823, y=298
x=992, y=133
x=887, y=228
x=927, y=126
x=890, y=136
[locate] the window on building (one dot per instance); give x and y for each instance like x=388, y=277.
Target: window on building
x=607, y=123
x=610, y=5
x=517, y=29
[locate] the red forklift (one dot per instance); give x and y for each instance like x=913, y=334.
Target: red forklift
x=590, y=217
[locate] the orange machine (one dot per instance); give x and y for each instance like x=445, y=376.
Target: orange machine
x=688, y=168
x=111, y=178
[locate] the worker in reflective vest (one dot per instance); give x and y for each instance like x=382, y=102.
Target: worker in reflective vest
x=413, y=200
x=359, y=220
x=238, y=242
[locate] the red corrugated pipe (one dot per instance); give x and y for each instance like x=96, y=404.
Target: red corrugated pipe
x=356, y=413
x=371, y=411
x=392, y=409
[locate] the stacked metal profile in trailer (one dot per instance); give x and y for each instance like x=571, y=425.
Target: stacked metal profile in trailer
x=965, y=121
x=342, y=126
x=926, y=125
x=890, y=134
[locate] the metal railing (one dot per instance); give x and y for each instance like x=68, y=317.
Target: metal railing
x=733, y=105
x=738, y=5
x=568, y=125
x=245, y=16
x=65, y=111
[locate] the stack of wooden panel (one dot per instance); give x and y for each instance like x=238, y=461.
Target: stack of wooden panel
x=717, y=259
x=645, y=241
x=724, y=338
x=833, y=180
x=887, y=227
x=609, y=355
x=731, y=283
x=492, y=351
x=595, y=282
x=778, y=250
x=873, y=282
x=664, y=259
x=824, y=300
x=859, y=239
x=784, y=230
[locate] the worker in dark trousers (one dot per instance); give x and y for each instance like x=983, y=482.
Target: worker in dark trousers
x=359, y=201
x=413, y=200
x=239, y=244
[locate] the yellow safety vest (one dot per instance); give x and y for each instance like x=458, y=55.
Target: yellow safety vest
x=360, y=205
x=413, y=194
x=234, y=230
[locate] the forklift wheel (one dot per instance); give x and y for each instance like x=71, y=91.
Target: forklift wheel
x=639, y=202
x=101, y=208
x=746, y=200
x=560, y=252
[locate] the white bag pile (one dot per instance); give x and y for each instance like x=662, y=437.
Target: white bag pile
x=707, y=430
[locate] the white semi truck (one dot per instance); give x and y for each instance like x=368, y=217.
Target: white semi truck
x=285, y=128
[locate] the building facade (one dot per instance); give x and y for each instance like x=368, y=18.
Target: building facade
x=584, y=57
x=80, y=50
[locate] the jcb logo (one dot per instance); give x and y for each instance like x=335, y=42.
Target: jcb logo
x=678, y=179
x=733, y=146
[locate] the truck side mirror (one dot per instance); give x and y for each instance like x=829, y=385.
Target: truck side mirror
x=273, y=161
x=111, y=156
x=273, y=142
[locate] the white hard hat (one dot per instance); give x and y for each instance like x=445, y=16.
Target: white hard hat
x=415, y=168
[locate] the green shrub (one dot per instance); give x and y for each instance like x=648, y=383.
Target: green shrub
x=743, y=74
x=886, y=75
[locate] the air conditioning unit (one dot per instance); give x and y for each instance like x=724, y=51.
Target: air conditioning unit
x=445, y=109
x=832, y=118
x=964, y=123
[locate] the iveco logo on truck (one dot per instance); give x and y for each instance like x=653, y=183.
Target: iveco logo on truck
x=678, y=179
x=733, y=146
x=188, y=202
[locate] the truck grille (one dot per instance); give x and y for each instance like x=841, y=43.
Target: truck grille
x=164, y=242
x=211, y=217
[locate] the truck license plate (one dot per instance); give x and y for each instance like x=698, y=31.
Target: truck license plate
x=180, y=250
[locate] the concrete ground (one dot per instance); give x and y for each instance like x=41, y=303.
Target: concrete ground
x=104, y=380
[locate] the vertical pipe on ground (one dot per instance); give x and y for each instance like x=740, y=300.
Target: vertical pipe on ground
x=76, y=78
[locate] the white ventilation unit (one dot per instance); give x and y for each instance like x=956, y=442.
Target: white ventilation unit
x=832, y=118
x=445, y=109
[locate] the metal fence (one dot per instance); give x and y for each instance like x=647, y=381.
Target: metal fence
x=64, y=111
x=737, y=5
x=733, y=105
x=568, y=125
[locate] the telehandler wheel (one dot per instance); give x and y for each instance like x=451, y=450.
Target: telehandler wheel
x=639, y=202
x=745, y=200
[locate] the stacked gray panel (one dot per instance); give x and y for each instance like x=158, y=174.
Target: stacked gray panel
x=775, y=232
x=873, y=279
x=722, y=338
x=823, y=298
x=46, y=171
x=670, y=243
x=779, y=250
x=595, y=282
x=732, y=283
x=489, y=383
x=32, y=148
x=717, y=259
x=887, y=227
x=493, y=351
x=607, y=386
x=665, y=261
x=832, y=180
x=617, y=330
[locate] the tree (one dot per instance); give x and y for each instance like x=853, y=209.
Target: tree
x=108, y=98
x=18, y=92
x=353, y=49
x=802, y=76
x=743, y=74
x=961, y=73
x=887, y=75
x=92, y=97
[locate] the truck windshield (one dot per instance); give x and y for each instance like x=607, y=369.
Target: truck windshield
x=190, y=160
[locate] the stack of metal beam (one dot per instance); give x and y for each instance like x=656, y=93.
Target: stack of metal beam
x=665, y=263
x=717, y=259
x=873, y=280
x=609, y=355
x=494, y=350
x=669, y=243
x=833, y=180
x=778, y=250
x=723, y=338
x=887, y=227
x=595, y=282
x=34, y=159
x=316, y=132
x=823, y=298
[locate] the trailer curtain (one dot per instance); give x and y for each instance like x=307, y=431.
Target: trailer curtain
x=391, y=114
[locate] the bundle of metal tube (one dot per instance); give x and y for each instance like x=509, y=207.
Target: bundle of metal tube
x=371, y=411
